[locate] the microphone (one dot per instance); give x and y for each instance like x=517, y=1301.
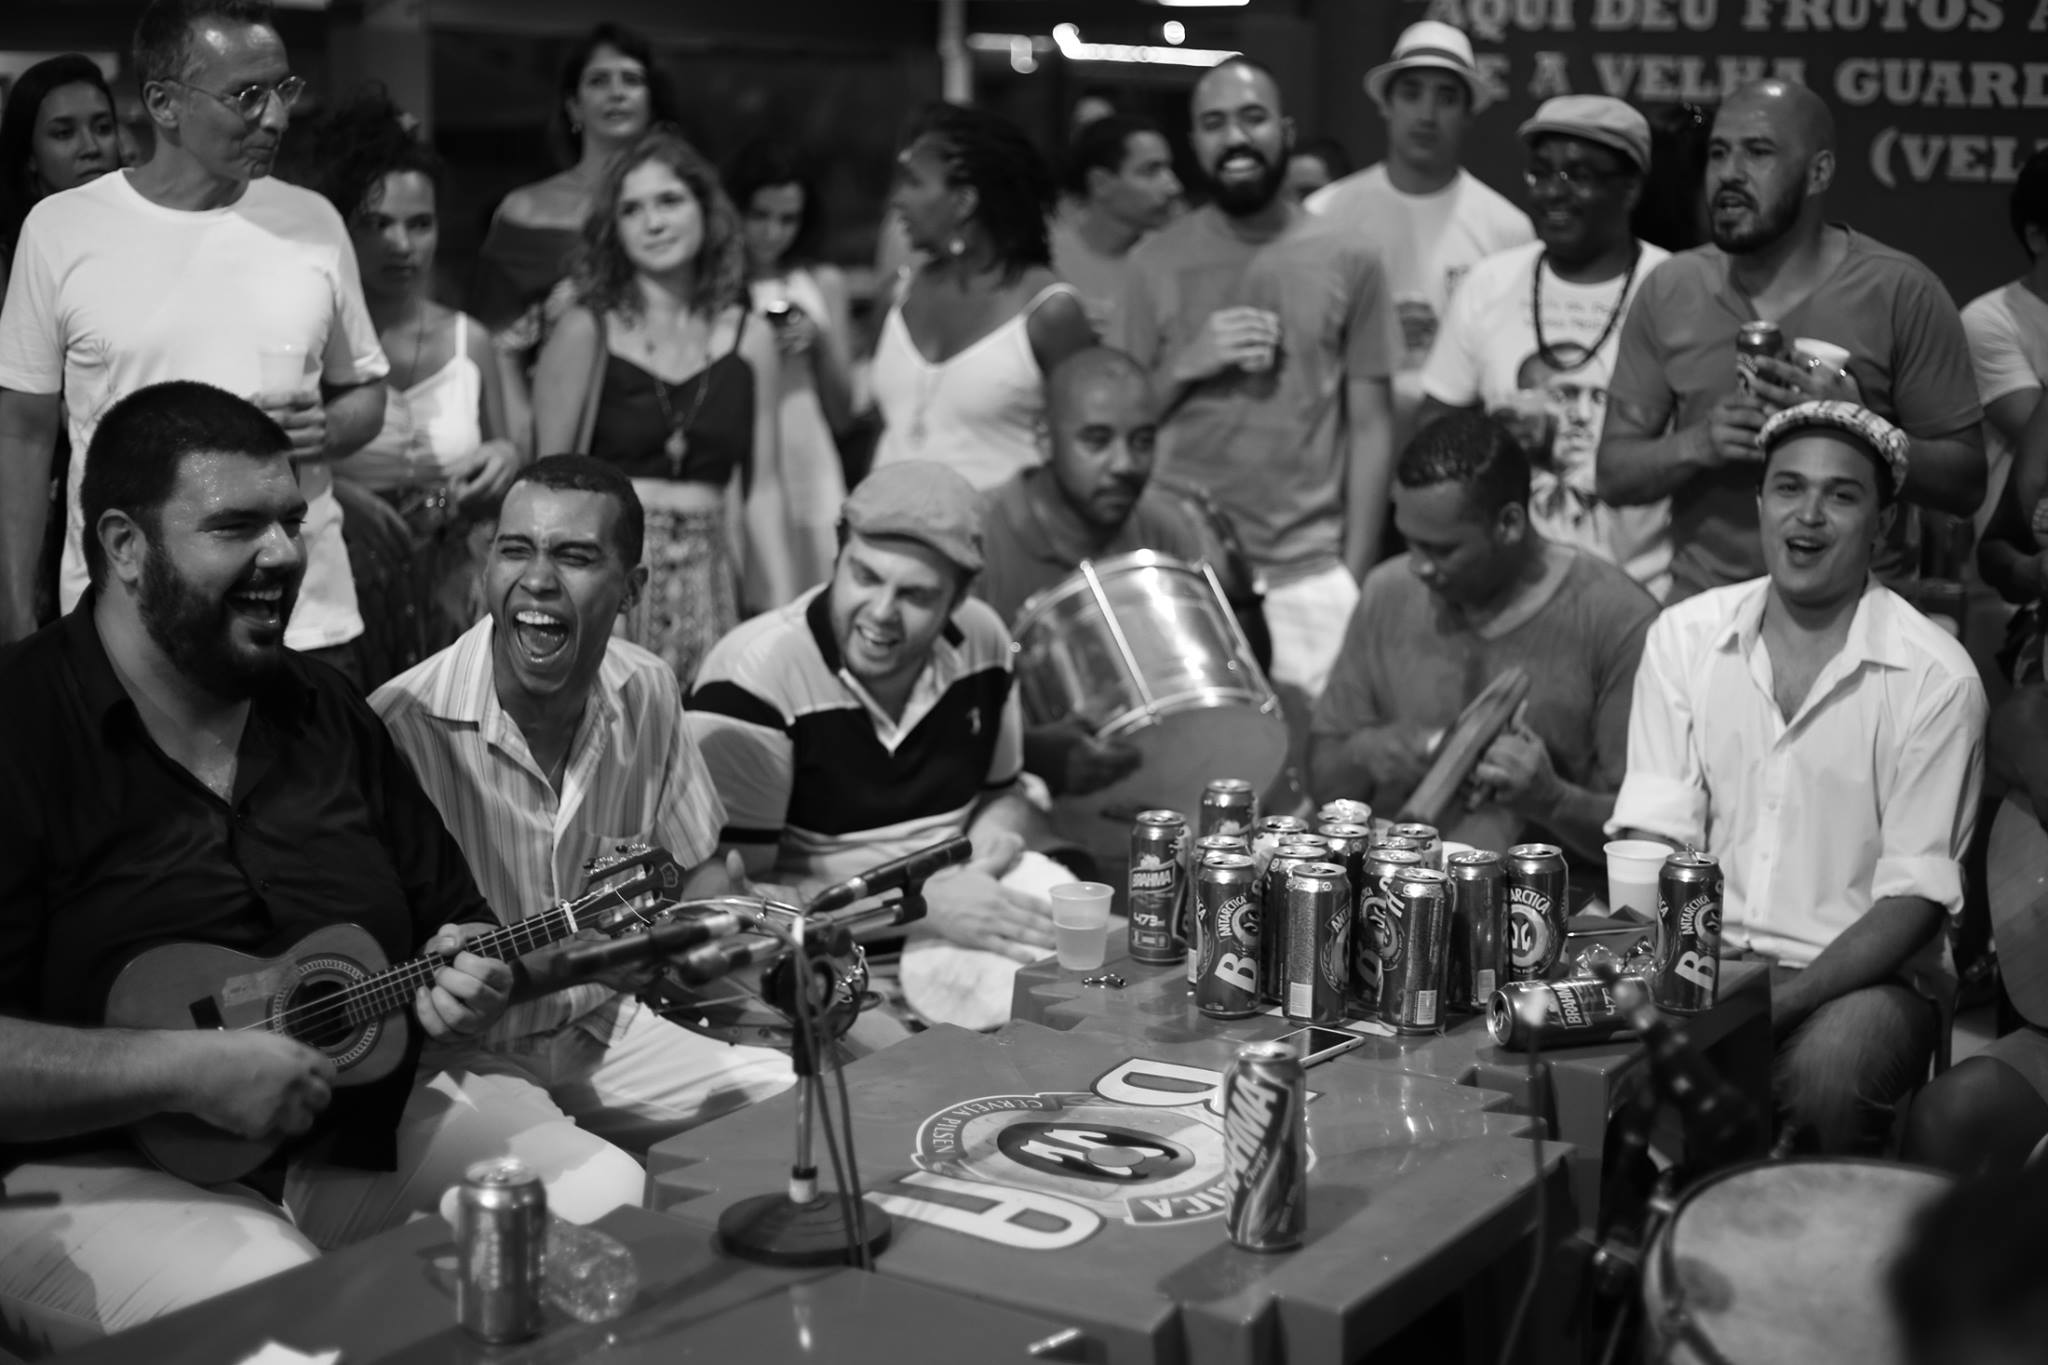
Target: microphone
x=582, y=961
x=906, y=871
x=1722, y=1125
x=711, y=961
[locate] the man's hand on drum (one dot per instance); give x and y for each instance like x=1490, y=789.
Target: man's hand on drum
x=968, y=906
x=1077, y=762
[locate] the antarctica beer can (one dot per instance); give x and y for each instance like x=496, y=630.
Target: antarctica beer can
x=1362, y=986
x=1227, y=909
x=1479, y=914
x=1298, y=849
x=1265, y=1148
x=1411, y=935
x=1318, y=901
x=1538, y=908
x=1688, y=975
x=1158, y=886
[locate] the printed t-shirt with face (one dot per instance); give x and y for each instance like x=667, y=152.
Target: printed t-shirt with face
x=1488, y=355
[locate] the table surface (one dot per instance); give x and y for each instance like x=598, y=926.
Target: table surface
x=390, y=1300
x=1078, y=1177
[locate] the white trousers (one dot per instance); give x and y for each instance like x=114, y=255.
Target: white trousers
x=126, y=1243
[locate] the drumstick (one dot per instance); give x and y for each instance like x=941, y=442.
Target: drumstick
x=1478, y=725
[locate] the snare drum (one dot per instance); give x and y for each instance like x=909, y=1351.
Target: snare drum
x=732, y=1009
x=1784, y=1261
x=1143, y=648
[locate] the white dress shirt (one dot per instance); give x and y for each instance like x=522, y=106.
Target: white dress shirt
x=1869, y=791
x=634, y=775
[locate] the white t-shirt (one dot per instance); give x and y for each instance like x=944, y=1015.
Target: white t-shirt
x=112, y=293
x=1426, y=244
x=1486, y=354
x=2008, y=331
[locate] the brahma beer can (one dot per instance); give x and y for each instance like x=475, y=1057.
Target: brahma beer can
x=1318, y=943
x=1229, y=806
x=1479, y=928
x=1382, y=866
x=1227, y=909
x=1571, y=1013
x=1539, y=906
x=501, y=1234
x=1411, y=936
x=1158, y=887
x=1298, y=849
x=1426, y=835
x=1265, y=1148
x=1688, y=976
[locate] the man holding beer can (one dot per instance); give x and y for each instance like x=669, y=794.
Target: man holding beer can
x=1825, y=741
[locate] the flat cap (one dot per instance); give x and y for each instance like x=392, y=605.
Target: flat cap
x=919, y=500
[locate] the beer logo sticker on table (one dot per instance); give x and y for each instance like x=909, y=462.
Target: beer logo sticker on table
x=1142, y=1147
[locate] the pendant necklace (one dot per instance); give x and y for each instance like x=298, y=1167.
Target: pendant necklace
x=677, y=445
x=1543, y=351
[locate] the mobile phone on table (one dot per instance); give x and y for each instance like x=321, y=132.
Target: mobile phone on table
x=1317, y=1043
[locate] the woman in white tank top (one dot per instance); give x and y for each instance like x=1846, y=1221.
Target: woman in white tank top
x=444, y=457
x=960, y=366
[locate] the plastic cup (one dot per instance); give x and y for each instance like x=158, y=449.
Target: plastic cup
x=1080, y=924
x=1633, y=866
x=281, y=367
x=1830, y=356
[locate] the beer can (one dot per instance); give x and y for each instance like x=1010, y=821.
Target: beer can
x=1318, y=943
x=1402, y=842
x=501, y=1233
x=1343, y=812
x=1348, y=846
x=1362, y=986
x=1572, y=1013
x=1688, y=976
x=1204, y=846
x=1479, y=927
x=1229, y=806
x=1158, y=886
x=1411, y=936
x=1269, y=833
x=1539, y=905
x=1222, y=843
x=1426, y=835
x=1753, y=339
x=1273, y=912
x=1227, y=909
x=1265, y=1148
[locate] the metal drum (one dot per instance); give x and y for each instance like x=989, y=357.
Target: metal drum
x=1144, y=650
x=1783, y=1261
x=732, y=1009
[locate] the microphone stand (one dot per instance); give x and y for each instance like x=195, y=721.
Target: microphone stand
x=803, y=1227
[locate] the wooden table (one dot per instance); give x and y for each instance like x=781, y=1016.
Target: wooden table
x=390, y=1300
x=1076, y=1176
x=1155, y=1006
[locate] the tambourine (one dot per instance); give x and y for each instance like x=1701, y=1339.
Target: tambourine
x=735, y=1008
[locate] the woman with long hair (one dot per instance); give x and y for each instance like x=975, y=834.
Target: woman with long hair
x=960, y=366
x=445, y=455
x=609, y=94
x=57, y=131
x=660, y=368
x=806, y=305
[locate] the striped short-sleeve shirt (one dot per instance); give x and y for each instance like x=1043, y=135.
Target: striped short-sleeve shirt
x=807, y=763
x=633, y=776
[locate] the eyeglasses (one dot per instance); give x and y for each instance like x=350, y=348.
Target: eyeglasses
x=1578, y=178
x=251, y=101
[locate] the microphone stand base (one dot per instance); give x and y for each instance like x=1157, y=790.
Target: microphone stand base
x=774, y=1230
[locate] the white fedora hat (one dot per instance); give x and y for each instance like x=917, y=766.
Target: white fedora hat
x=1429, y=46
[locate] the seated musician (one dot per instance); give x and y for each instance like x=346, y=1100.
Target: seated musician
x=1088, y=501
x=170, y=772
x=874, y=715
x=545, y=742
x=1826, y=742
x=1478, y=592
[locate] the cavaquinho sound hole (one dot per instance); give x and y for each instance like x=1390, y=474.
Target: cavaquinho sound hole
x=318, y=1017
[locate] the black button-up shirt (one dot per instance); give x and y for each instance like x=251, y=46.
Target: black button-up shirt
x=109, y=847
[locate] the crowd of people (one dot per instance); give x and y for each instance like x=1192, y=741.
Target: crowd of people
x=331, y=600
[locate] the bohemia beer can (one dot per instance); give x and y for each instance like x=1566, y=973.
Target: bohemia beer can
x=1538, y=908
x=1299, y=849
x=1412, y=939
x=1229, y=806
x=1571, y=1013
x=1318, y=943
x=1425, y=835
x=1479, y=929
x=1753, y=339
x=1265, y=1147
x=501, y=1234
x=1382, y=866
x=1688, y=976
x=1227, y=908
x=1158, y=886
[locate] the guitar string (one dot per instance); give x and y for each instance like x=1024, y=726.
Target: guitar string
x=386, y=989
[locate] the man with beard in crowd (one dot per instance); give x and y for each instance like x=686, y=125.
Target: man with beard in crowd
x=1267, y=345
x=198, y=265
x=1120, y=185
x=1682, y=424
x=171, y=772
